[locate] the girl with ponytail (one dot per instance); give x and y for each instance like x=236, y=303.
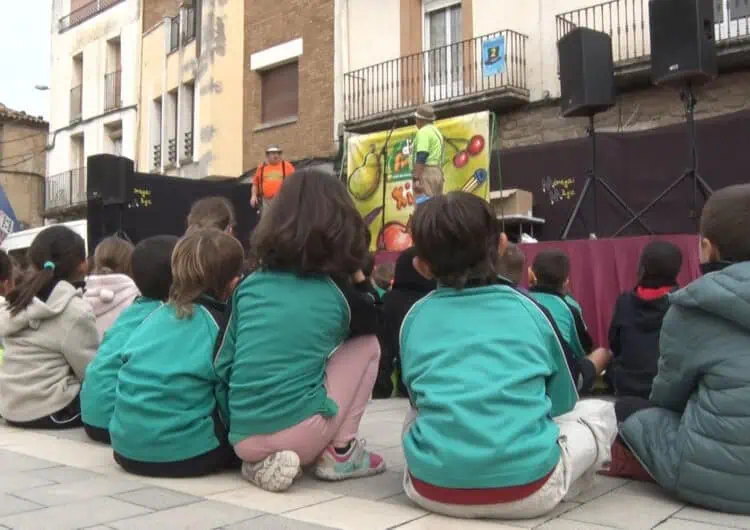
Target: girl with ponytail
x=50, y=335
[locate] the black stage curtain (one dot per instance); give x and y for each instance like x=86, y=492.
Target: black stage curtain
x=160, y=205
x=639, y=166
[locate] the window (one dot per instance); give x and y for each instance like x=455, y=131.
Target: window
x=174, y=33
x=719, y=11
x=113, y=79
x=739, y=9
x=156, y=121
x=280, y=93
x=171, y=128
x=442, y=33
x=113, y=136
x=76, y=89
x=189, y=25
x=187, y=116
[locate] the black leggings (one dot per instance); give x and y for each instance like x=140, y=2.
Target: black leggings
x=97, y=434
x=219, y=459
x=66, y=418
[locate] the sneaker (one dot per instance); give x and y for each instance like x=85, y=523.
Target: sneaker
x=275, y=473
x=355, y=463
x=623, y=464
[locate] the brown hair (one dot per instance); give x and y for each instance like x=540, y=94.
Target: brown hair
x=724, y=222
x=203, y=262
x=311, y=228
x=512, y=262
x=56, y=254
x=552, y=269
x=458, y=236
x=113, y=256
x=211, y=212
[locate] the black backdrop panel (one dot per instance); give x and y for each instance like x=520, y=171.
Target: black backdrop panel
x=639, y=166
x=160, y=206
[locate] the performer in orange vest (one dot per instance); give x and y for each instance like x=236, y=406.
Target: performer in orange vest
x=269, y=177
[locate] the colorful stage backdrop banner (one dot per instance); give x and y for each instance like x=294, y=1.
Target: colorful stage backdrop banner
x=371, y=165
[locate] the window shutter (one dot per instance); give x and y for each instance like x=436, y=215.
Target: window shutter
x=280, y=93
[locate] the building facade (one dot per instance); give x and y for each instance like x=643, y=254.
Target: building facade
x=412, y=51
x=23, y=142
x=94, y=79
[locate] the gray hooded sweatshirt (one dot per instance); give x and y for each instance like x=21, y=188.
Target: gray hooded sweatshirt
x=47, y=348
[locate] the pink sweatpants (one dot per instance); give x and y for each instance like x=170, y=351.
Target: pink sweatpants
x=350, y=377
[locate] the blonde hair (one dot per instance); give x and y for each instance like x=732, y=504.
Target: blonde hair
x=205, y=261
x=113, y=256
x=211, y=212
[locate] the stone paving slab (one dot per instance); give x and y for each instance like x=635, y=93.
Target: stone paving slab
x=61, y=481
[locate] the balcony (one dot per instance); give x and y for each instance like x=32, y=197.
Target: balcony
x=452, y=78
x=171, y=152
x=76, y=103
x=187, y=155
x=627, y=22
x=112, y=90
x=65, y=191
x=84, y=13
x=157, y=157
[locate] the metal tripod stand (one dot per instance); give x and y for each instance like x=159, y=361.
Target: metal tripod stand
x=687, y=95
x=592, y=183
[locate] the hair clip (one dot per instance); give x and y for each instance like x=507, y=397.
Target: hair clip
x=49, y=265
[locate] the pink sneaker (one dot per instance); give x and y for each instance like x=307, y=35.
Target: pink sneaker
x=355, y=463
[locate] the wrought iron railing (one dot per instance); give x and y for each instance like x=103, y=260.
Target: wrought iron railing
x=76, y=103
x=627, y=22
x=65, y=190
x=437, y=75
x=113, y=90
x=174, y=33
x=188, y=146
x=189, y=30
x=84, y=13
x=172, y=151
x=157, y=157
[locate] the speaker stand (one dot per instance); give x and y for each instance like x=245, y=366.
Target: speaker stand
x=687, y=95
x=592, y=183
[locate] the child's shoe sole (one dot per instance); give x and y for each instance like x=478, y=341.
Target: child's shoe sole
x=276, y=473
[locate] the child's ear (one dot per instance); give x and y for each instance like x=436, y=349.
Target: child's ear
x=422, y=267
x=532, y=277
x=566, y=284
x=709, y=252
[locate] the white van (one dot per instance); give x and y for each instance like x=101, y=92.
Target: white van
x=17, y=243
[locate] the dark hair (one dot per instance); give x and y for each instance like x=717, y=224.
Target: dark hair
x=368, y=265
x=383, y=275
x=552, y=269
x=512, y=262
x=312, y=227
x=458, y=236
x=211, y=212
x=203, y=262
x=56, y=254
x=6, y=267
x=725, y=221
x=113, y=255
x=659, y=265
x=152, y=266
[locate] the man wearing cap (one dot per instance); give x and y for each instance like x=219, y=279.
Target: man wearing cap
x=269, y=177
x=428, y=148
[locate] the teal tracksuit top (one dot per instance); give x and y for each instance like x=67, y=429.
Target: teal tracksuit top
x=569, y=319
x=168, y=405
x=486, y=373
x=98, y=390
x=281, y=332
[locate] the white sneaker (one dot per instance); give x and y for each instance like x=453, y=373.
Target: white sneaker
x=275, y=473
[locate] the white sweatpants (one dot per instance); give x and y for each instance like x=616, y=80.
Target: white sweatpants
x=586, y=436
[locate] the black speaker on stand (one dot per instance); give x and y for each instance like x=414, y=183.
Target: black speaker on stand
x=587, y=87
x=683, y=54
x=107, y=178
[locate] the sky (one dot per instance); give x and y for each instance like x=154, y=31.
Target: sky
x=25, y=54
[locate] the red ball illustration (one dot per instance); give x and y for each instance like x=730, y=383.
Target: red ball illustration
x=461, y=159
x=395, y=237
x=476, y=145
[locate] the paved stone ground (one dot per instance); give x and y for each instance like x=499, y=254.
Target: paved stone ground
x=62, y=481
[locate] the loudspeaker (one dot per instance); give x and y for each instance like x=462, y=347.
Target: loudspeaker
x=683, y=49
x=587, y=74
x=107, y=179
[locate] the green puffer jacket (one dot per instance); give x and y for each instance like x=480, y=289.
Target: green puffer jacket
x=697, y=443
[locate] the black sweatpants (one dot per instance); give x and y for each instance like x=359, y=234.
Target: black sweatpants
x=67, y=418
x=221, y=458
